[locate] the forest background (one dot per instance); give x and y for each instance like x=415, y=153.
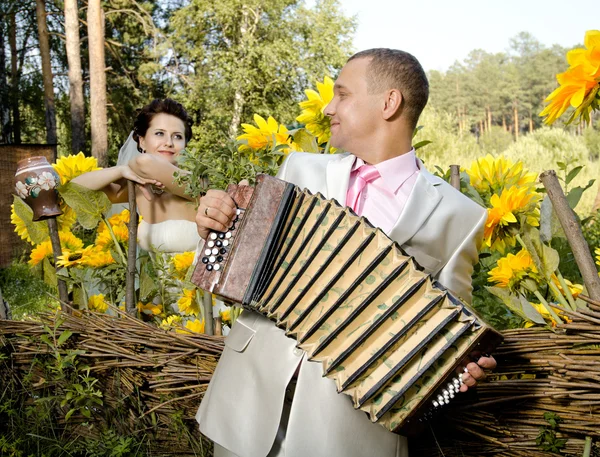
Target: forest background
x=73, y=73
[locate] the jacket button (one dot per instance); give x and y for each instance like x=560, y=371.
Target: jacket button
x=298, y=352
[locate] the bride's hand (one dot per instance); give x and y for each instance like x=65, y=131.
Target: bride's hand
x=215, y=212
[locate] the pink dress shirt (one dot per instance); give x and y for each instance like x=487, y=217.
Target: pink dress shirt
x=383, y=199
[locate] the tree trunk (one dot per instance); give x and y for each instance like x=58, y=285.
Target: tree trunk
x=504, y=123
x=5, y=126
x=516, y=119
x=46, y=72
x=489, y=119
x=75, y=77
x=14, y=80
x=238, y=96
x=530, y=123
x=95, y=17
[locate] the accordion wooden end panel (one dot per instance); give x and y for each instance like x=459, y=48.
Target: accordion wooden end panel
x=387, y=335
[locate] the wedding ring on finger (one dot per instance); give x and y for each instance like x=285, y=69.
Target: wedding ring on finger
x=206, y=211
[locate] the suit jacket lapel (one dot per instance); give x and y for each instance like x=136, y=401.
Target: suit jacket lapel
x=421, y=202
x=338, y=176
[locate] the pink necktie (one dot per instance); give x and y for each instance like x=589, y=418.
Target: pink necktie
x=366, y=174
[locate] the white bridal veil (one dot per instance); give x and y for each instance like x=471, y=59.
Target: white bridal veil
x=128, y=151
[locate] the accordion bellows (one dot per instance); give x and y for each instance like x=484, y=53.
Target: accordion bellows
x=388, y=335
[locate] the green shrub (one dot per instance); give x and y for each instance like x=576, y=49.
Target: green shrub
x=25, y=293
x=496, y=141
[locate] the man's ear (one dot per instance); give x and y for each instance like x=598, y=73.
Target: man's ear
x=392, y=103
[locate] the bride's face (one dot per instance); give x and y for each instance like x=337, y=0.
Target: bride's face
x=165, y=137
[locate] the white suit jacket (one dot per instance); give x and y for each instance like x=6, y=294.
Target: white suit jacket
x=242, y=407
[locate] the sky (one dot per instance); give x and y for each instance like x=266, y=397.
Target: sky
x=439, y=32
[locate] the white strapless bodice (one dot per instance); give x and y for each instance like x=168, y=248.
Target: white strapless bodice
x=168, y=236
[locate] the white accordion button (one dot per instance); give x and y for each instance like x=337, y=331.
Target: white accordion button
x=217, y=267
x=213, y=236
x=211, y=244
x=207, y=252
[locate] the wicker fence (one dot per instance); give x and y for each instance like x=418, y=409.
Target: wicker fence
x=152, y=382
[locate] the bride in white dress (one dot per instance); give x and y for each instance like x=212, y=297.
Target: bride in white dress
x=161, y=131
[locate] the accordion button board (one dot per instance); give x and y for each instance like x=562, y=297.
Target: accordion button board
x=389, y=336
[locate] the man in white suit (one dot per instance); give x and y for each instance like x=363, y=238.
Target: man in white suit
x=265, y=398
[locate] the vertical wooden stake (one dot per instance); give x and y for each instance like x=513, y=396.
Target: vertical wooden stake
x=569, y=223
x=63, y=293
x=130, y=302
x=209, y=323
x=455, y=176
x=218, y=326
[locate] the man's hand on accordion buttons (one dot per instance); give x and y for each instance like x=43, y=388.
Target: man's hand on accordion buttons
x=475, y=372
x=215, y=212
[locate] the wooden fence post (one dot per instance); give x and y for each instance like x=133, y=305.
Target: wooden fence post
x=572, y=230
x=130, y=302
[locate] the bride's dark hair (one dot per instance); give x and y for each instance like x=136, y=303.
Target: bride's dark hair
x=158, y=106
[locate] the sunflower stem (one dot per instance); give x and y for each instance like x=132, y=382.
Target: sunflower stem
x=116, y=243
x=558, y=294
x=568, y=293
x=327, y=147
x=547, y=306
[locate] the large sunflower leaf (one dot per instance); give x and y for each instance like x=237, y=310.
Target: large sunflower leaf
x=549, y=224
x=89, y=205
x=38, y=231
x=519, y=305
x=544, y=257
x=305, y=140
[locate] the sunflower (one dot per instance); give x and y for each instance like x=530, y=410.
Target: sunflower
x=575, y=289
x=182, y=262
x=118, y=223
x=75, y=258
x=490, y=175
x=226, y=315
x=97, y=303
x=71, y=166
x=506, y=213
x=98, y=258
x=70, y=241
x=40, y=252
x=579, y=85
x=268, y=133
x=20, y=226
x=149, y=308
x=65, y=221
x=313, y=116
x=597, y=252
x=194, y=326
x=170, y=322
x=512, y=270
x=187, y=303
x=546, y=315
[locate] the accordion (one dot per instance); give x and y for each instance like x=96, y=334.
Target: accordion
x=388, y=335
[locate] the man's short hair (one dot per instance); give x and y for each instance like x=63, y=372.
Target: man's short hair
x=395, y=69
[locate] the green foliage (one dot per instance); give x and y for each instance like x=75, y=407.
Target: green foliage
x=90, y=205
x=591, y=137
x=26, y=294
x=59, y=389
x=547, y=439
x=238, y=58
x=220, y=166
x=38, y=231
x=495, y=141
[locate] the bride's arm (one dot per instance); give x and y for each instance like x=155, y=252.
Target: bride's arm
x=112, y=181
x=149, y=166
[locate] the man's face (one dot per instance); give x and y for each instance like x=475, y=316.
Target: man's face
x=353, y=112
